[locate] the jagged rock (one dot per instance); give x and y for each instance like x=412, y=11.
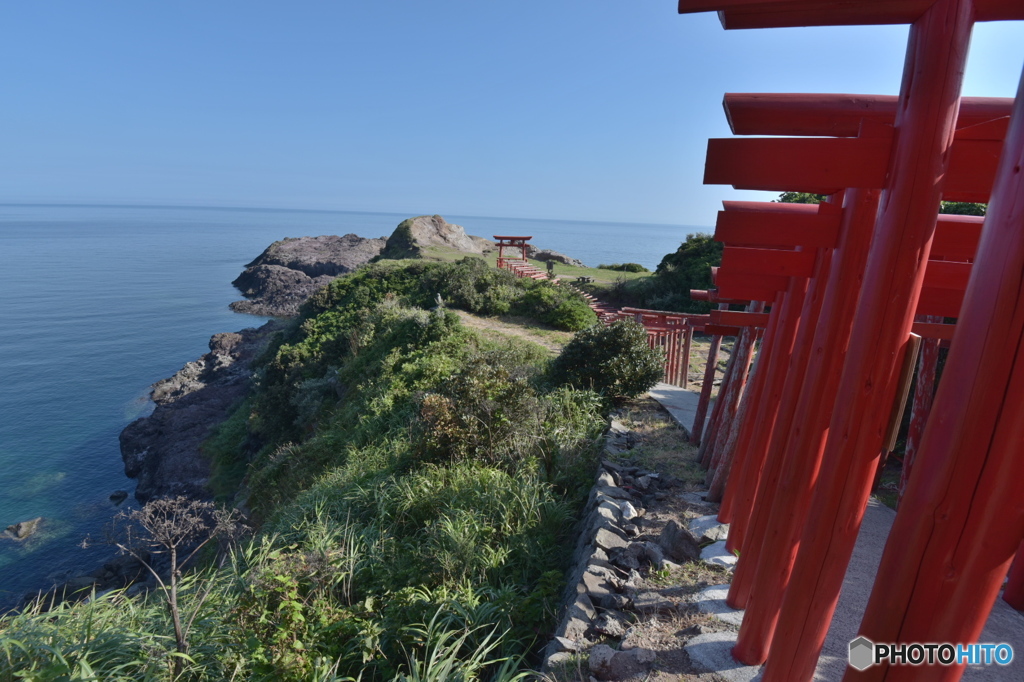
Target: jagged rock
x=23, y=529
x=709, y=528
x=289, y=271
x=608, y=664
x=118, y=496
x=609, y=540
x=627, y=557
x=717, y=554
x=612, y=623
x=629, y=512
x=616, y=602
x=162, y=450
x=566, y=644
x=549, y=255
x=679, y=543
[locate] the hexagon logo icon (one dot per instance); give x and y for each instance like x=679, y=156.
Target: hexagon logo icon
x=862, y=653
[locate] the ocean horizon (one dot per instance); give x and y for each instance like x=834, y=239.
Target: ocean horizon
x=99, y=301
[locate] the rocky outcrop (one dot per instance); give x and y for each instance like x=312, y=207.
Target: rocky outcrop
x=549, y=255
x=415, y=234
x=22, y=529
x=162, y=450
x=290, y=270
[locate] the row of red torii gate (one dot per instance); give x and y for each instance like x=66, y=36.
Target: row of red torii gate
x=841, y=297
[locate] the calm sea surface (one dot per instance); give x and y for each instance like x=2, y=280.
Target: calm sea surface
x=97, y=303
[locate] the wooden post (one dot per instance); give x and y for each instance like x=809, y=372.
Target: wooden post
x=706, y=449
x=705, y=390
x=731, y=401
x=924, y=393
x=960, y=525
x=807, y=436
x=1013, y=593
x=775, y=454
x=925, y=124
x=767, y=352
x=764, y=423
x=687, y=342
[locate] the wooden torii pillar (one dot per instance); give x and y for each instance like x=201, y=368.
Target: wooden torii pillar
x=918, y=164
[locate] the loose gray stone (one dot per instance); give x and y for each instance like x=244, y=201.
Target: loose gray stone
x=718, y=554
x=693, y=498
x=628, y=511
x=616, y=602
x=559, y=659
x=608, y=540
x=713, y=653
x=631, y=529
x=595, y=586
x=611, y=625
x=652, y=603
x=709, y=528
x=615, y=492
x=654, y=554
x=566, y=644
x=712, y=600
x=605, y=479
x=679, y=543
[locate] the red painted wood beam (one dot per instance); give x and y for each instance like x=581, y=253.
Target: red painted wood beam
x=763, y=419
x=1013, y=593
x=929, y=98
x=933, y=331
x=750, y=287
x=738, y=14
x=770, y=207
x=774, y=457
x=710, y=367
x=826, y=165
x=739, y=318
x=806, y=439
x=959, y=526
x=939, y=302
x=767, y=353
x=774, y=229
x=956, y=236
x=772, y=262
x=722, y=330
x=838, y=115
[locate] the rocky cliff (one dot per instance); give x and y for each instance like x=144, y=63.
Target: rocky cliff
x=414, y=234
x=290, y=270
x=162, y=450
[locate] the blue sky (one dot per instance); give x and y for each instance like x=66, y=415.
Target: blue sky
x=596, y=110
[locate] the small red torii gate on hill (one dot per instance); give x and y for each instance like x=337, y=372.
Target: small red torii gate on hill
x=886, y=179
x=515, y=243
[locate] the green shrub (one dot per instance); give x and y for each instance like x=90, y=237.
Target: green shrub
x=615, y=360
x=560, y=307
x=624, y=267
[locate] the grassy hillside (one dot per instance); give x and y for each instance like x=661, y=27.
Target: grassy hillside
x=415, y=483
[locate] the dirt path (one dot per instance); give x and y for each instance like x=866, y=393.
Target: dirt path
x=552, y=339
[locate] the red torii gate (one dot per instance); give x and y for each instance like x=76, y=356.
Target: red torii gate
x=917, y=164
x=515, y=243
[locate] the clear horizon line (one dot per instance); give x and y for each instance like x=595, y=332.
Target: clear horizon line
x=79, y=204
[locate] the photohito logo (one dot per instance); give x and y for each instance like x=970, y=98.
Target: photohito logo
x=864, y=653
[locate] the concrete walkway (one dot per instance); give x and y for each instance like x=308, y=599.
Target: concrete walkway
x=1004, y=624
x=681, y=403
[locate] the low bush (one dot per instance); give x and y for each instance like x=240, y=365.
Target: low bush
x=615, y=361
x=624, y=267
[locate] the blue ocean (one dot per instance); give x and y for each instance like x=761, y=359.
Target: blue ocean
x=99, y=302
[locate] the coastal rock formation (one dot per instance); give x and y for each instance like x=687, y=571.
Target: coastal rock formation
x=289, y=271
x=414, y=234
x=162, y=450
x=549, y=255
x=22, y=529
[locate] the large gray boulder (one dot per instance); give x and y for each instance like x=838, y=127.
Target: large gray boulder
x=291, y=270
x=415, y=234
